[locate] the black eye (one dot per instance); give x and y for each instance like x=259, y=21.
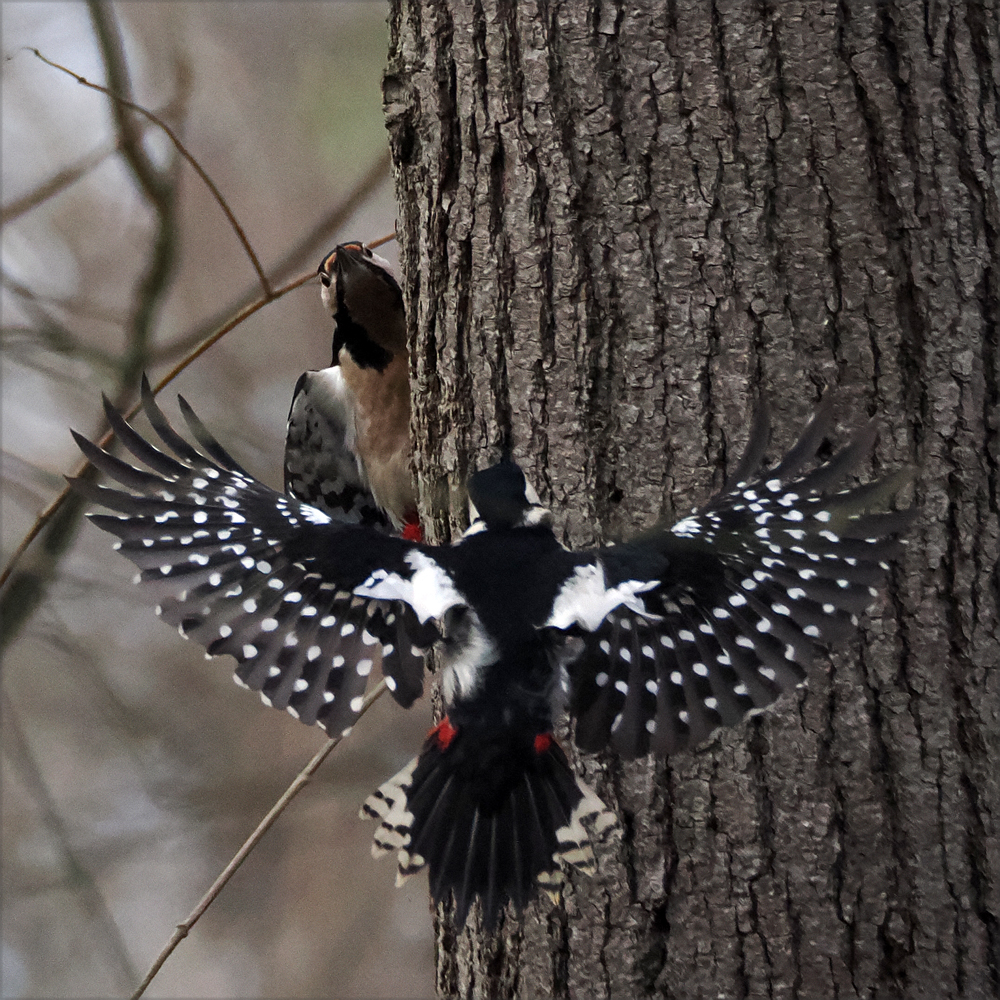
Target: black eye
x=325, y=278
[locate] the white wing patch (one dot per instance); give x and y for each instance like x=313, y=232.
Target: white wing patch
x=314, y=514
x=429, y=591
x=585, y=598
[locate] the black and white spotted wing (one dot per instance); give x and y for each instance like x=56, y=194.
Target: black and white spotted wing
x=725, y=608
x=234, y=565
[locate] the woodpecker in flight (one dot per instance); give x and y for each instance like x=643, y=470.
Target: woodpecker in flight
x=650, y=645
x=347, y=449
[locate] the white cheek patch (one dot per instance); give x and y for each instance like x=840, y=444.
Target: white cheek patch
x=585, y=598
x=429, y=591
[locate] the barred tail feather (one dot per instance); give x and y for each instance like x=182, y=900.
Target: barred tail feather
x=489, y=817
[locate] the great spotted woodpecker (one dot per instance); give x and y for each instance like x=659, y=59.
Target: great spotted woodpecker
x=651, y=644
x=347, y=449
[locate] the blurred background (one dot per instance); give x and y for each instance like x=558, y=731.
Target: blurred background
x=132, y=767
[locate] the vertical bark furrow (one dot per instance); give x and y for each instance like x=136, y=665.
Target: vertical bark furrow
x=619, y=222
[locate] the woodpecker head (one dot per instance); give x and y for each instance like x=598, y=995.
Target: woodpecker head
x=500, y=497
x=366, y=303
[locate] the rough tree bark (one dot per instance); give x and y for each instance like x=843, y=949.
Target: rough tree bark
x=619, y=224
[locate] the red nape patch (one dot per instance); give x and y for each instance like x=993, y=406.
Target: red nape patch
x=412, y=532
x=444, y=732
x=542, y=742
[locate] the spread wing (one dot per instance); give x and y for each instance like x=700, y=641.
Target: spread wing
x=691, y=627
x=264, y=577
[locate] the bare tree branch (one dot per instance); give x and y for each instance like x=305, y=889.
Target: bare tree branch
x=305, y=250
x=85, y=468
x=54, y=185
x=300, y=782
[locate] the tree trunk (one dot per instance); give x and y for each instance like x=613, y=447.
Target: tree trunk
x=622, y=223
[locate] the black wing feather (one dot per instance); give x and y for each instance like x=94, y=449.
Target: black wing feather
x=263, y=577
x=715, y=617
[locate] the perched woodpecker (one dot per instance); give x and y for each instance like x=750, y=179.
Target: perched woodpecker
x=651, y=644
x=347, y=449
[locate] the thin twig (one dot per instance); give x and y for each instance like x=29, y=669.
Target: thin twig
x=182, y=149
x=52, y=334
x=24, y=591
x=50, y=511
x=382, y=239
x=309, y=246
x=301, y=780
x=48, y=189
